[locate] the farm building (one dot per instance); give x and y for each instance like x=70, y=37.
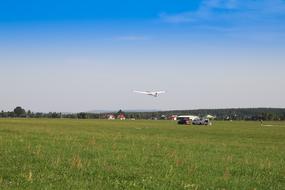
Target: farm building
x=121, y=117
x=173, y=117
x=111, y=117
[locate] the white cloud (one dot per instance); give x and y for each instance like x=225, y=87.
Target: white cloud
x=204, y=12
x=261, y=21
x=228, y=10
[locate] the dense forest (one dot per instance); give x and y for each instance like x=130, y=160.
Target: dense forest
x=220, y=114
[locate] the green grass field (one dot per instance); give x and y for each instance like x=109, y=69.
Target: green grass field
x=101, y=154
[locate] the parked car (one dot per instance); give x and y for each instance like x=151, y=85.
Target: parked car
x=184, y=121
x=206, y=121
x=197, y=121
x=200, y=122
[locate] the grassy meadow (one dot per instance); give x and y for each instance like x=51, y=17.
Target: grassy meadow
x=101, y=154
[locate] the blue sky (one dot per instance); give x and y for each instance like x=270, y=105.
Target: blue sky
x=84, y=55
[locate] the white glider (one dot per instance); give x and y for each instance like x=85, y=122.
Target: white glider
x=151, y=93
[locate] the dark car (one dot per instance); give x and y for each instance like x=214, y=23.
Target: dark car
x=184, y=121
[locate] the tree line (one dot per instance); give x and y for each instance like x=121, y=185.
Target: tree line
x=252, y=114
x=220, y=114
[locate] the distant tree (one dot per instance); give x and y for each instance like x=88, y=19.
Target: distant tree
x=29, y=113
x=54, y=115
x=120, y=112
x=82, y=115
x=19, y=111
x=38, y=115
x=11, y=114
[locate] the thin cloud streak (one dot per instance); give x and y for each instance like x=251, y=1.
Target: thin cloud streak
x=258, y=21
x=231, y=11
x=132, y=38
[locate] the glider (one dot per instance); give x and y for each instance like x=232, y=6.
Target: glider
x=150, y=93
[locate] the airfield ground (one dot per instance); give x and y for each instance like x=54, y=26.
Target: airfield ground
x=101, y=154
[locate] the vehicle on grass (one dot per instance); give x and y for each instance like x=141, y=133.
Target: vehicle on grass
x=186, y=119
x=199, y=121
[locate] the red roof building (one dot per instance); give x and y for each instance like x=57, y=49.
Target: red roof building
x=121, y=117
x=173, y=117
